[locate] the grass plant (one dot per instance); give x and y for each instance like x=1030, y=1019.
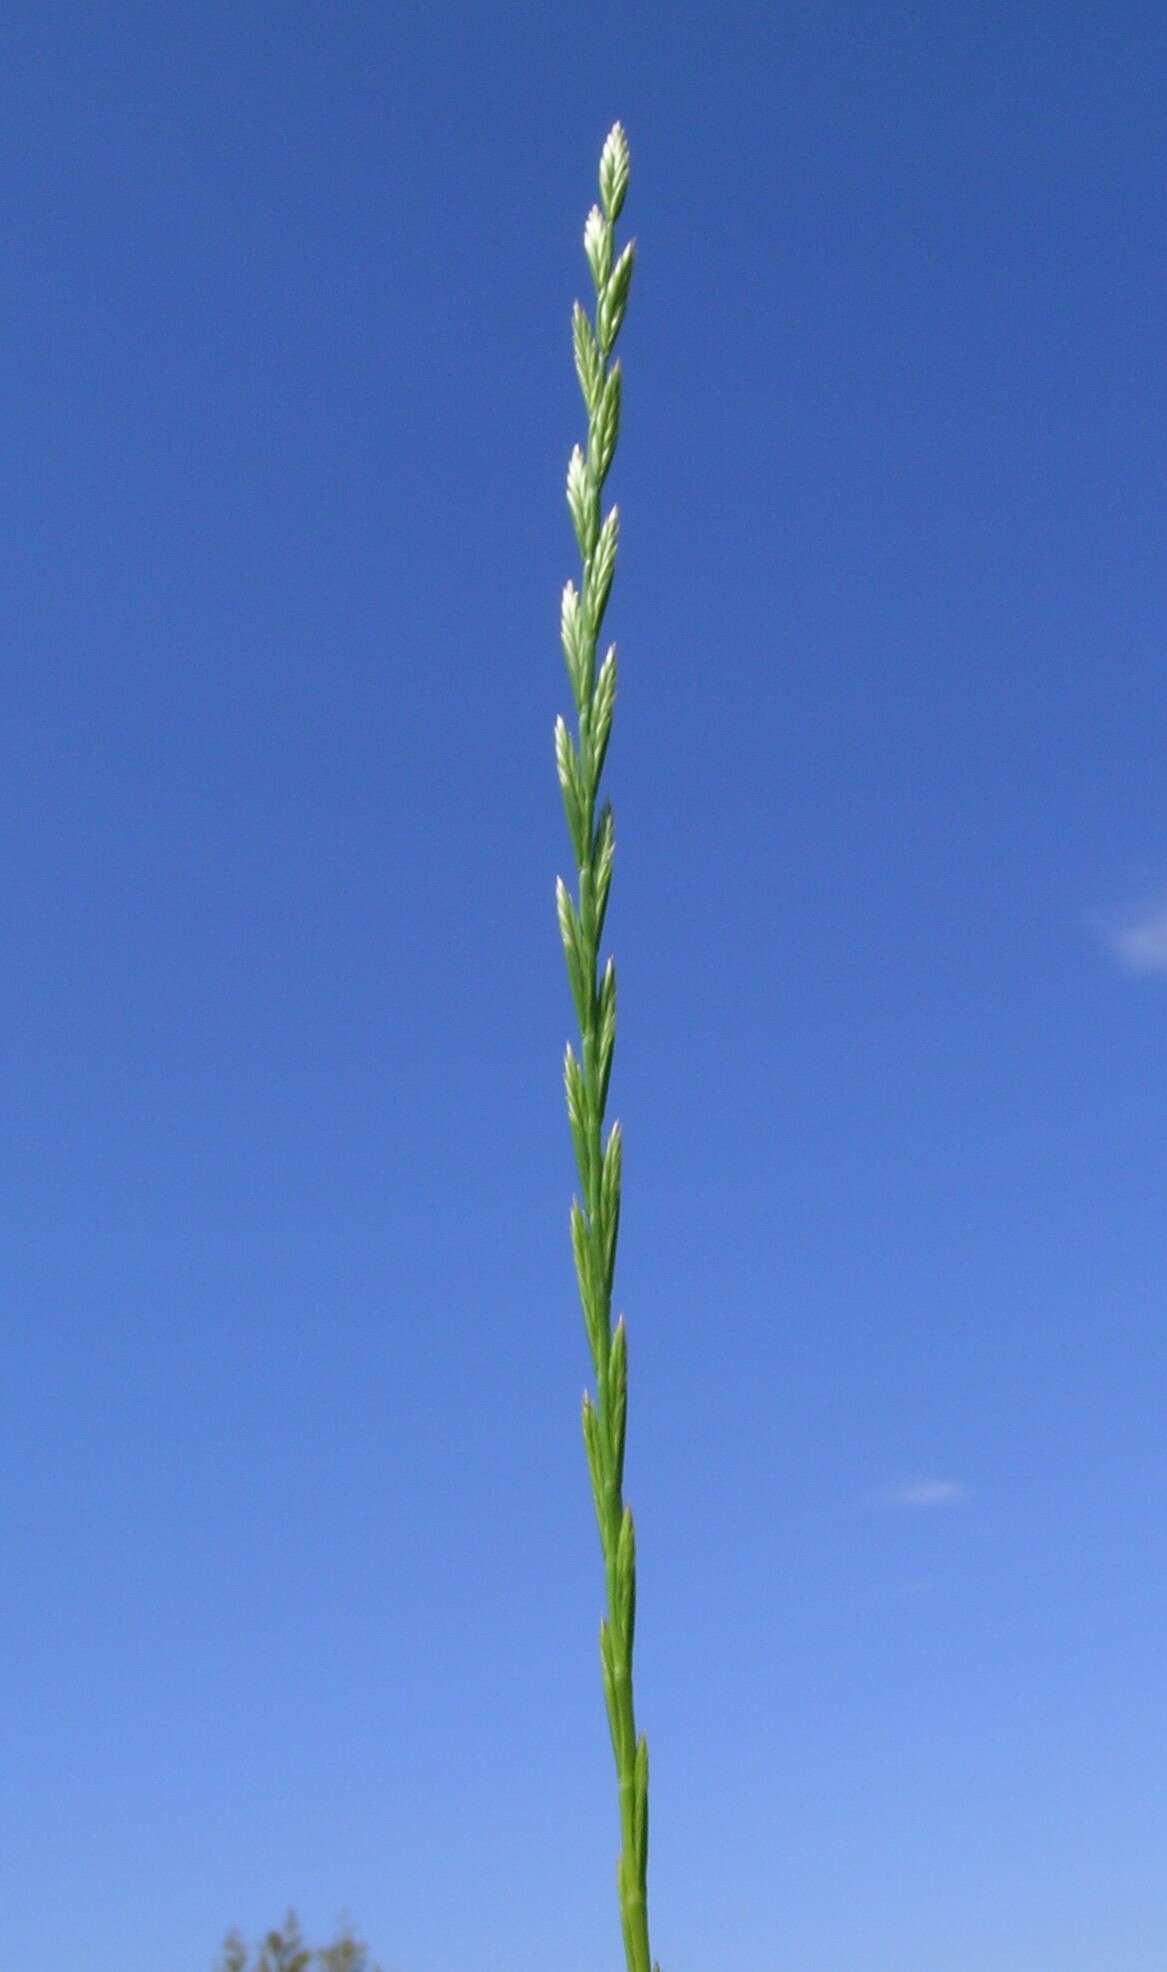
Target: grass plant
x=595, y=1221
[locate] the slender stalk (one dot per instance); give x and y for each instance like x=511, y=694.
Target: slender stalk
x=595, y=1223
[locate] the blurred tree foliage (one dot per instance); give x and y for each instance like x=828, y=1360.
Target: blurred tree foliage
x=285, y=1951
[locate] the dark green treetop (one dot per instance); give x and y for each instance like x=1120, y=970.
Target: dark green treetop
x=284, y=1950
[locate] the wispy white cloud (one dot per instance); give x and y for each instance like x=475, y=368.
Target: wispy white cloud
x=926, y=1492
x=1138, y=938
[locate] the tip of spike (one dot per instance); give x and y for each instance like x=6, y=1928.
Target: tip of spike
x=615, y=166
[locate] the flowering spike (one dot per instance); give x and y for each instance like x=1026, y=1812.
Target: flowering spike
x=595, y=1217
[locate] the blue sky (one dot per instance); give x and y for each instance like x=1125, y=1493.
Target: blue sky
x=300, y=1568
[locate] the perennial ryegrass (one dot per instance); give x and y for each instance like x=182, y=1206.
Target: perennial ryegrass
x=595, y=1223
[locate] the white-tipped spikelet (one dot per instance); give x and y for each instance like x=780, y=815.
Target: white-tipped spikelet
x=573, y=636
x=597, y=241
x=583, y=502
x=615, y=167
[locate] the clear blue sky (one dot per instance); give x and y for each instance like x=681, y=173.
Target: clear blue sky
x=301, y=1584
